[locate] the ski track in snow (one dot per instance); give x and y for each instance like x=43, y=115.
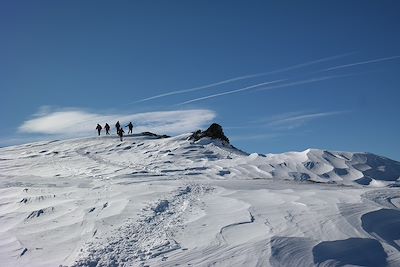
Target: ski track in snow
x=152, y=235
x=171, y=202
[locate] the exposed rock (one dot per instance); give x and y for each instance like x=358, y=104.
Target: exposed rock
x=155, y=135
x=214, y=131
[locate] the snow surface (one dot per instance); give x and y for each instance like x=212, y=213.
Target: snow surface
x=170, y=202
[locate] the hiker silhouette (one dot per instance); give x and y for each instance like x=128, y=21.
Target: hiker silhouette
x=98, y=128
x=118, y=126
x=130, y=126
x=107, y=127
x=120, y=133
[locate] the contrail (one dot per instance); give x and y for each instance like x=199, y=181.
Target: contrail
x=312, y=80
x=230, y=92
x=202, y=87
x=361, y=63
x=244, y=77
x=266, y=88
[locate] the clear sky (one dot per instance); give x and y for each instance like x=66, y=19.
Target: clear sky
x=283, y=75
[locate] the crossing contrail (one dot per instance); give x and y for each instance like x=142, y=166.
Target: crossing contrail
x=203, y=86
x=312, y=80
x=230, y=92
x=245, y=77
x=361, y=63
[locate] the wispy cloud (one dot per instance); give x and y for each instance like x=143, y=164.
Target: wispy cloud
x=244, y=77
x=284, y=121
x=362, y=63
x=278, y=126
x=78, y=122
x=297, y=119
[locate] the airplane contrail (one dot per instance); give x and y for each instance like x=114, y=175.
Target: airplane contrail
x=243, y=77
x=265, y=88
x=230, y=92
x=202, y=87
x=361, y=63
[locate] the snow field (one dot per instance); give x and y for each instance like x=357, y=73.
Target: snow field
x=167, y=202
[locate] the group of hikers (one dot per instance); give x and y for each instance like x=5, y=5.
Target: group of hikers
x=120, y=131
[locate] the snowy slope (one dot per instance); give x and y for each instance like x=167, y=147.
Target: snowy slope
x=171, y=201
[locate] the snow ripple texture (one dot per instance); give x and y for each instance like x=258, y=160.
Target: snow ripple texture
x=149, y=237
x=173, y=202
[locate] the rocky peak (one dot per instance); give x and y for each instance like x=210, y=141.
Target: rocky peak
x=215, y=131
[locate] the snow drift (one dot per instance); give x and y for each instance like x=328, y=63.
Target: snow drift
x=165, y=201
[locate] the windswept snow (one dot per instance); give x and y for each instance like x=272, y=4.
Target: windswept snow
x=170, y=202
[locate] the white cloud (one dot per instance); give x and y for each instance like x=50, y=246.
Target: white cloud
x=78, y=122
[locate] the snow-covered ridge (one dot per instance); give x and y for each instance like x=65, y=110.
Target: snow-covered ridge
x=339, y=167
x=157, y=201
x=148, y=155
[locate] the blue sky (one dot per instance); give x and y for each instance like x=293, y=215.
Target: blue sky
x=285, y=75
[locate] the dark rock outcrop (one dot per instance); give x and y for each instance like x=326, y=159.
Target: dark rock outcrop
x=155, y=135
x=214, y=131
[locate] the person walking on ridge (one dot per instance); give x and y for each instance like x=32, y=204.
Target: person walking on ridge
x=98, y=128
x=130, y=126
x=107, y=127
x=120, y=133
x=118, y=126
